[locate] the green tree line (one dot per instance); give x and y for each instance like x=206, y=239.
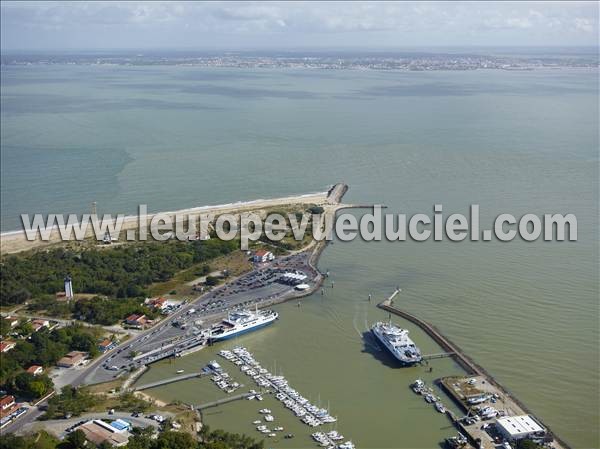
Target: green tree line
x=120, y=272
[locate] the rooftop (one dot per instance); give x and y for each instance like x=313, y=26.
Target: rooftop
x=97, y=432
x=517, y=425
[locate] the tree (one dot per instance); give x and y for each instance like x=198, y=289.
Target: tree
x=175, y=440
x=211, y=280
x=219, y=439
x=24, y=328
x=76, y=439
x=72, y=401
x=31, y=386
x=38, y=388
x=5, y=327
x=527, y=444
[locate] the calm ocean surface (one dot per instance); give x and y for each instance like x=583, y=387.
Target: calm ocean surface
x=513, y=142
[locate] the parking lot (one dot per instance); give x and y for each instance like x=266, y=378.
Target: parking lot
x=186, y=327
x=60, y=427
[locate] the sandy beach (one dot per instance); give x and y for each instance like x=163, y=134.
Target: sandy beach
x=16, y=241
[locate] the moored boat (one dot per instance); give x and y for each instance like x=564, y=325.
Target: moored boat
x=241, y=322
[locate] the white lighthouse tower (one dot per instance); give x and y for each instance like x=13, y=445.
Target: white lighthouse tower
x=68, y=288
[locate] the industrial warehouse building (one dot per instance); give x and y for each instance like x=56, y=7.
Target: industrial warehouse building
x=519, y=427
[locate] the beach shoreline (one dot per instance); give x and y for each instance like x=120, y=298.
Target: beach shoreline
x=16, y=241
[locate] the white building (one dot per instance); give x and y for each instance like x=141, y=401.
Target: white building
x=519, y=427
x=262, y=255
x=68, y=288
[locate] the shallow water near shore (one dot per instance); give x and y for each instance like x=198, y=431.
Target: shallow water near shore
x=516, y=142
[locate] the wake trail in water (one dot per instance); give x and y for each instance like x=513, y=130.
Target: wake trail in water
x=364, y=334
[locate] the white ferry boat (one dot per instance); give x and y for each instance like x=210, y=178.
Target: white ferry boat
x=240, y=322
x=398, y=342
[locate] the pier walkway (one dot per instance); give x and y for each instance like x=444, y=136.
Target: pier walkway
x=441, y=355
x=223, y=401
x=169, y=380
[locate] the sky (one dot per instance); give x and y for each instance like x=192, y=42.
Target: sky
x=294, y=25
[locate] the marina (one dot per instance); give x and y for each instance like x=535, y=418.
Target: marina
x=310, y=414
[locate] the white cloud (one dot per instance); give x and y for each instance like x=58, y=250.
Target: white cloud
x=354, y=23
x=584, y=25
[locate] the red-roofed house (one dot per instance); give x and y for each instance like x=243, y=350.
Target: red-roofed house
x=158, y=303
x=106, y=345
x=13, y=321
x=39, y=324
x=136, y=320
x=7, y=345
x=36, y=370
x=262, y=255
x=72, y=359
x=7, y=402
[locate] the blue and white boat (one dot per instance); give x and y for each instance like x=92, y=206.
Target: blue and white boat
x=240, y=322
x=398, y=342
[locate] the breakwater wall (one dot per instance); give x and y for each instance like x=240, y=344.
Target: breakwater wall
x=461, y=358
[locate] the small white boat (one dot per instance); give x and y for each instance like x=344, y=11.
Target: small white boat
x=347, y=445
x=256, y=422
x=335, y=436
x=269, y=418
x=179, y=371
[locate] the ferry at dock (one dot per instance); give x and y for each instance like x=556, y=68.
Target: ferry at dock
x=240, y=322
x=397, y=342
